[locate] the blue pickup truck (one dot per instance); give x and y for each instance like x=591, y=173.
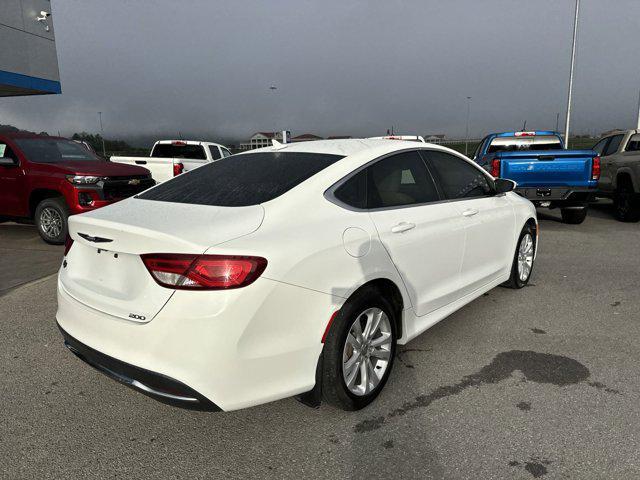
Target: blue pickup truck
x=545, y=172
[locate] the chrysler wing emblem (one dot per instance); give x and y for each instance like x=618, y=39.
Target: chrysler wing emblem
x=90, y=238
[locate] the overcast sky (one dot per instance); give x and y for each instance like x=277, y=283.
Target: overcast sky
x=340, y=67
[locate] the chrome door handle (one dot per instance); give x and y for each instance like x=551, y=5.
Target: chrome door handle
x=402, y=227
x=470, y=212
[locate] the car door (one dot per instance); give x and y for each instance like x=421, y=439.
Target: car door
x=489, y=219
x=608, y=162
x=628, y=160
x=423, y=235
x=12, y=184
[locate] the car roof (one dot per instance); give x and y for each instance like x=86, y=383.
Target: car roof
x=342, y=147
x=17, y=135
x=188, y=142
x=529, y=133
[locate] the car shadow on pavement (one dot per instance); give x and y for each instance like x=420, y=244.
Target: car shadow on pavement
x=24, y=256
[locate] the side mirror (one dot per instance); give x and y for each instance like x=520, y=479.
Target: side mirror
x=7, y=162
x=503, y=185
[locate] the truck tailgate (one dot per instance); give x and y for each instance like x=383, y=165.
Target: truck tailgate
x=161, y=168
x=549, y=168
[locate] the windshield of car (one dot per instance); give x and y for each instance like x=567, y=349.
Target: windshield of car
x=179, y=150
x=55, y=150
x=517, y=144
x=241, y=180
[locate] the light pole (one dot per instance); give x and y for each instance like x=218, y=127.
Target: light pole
x=638, y=122
x=104, y=153
x=466, y=135
x=573, y=61
x=274, y=89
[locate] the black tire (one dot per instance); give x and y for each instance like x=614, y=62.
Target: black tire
x=514, y=279
x=574, y=216
x=46, y=209
x=626, y=204
x=334, y=388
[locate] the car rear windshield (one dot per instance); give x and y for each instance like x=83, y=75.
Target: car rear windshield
x=51, y=150
x=518, y=144
x=241, y=180
x=179, y=150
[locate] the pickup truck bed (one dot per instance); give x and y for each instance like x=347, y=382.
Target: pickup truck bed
x=169, y=158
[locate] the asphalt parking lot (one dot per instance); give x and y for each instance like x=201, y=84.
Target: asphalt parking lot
x=541, y=382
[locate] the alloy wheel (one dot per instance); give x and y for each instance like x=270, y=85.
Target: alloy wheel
x=367, y=351
x=51, y=222
x=525, y=257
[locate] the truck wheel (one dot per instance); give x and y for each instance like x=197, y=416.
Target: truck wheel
x=359, y=351
x=51, y=219
x=626, y=204
x=522, y=265
x=574, y=215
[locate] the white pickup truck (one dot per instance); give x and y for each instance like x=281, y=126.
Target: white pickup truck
x=169, y=158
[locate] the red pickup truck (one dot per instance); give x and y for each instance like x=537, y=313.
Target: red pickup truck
x=46, y=179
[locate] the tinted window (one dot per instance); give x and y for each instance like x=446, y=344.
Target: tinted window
x=215, y=152
x=479, y=148
x=43, y=150
x=5, y=151
x=517, y=144
x=458, y=178
x=225, y=152
x=599, y=147
x=401, y=179
x=634, y=143
x=353, y=192
x=613, y=145
x=179, y=150
x=241, y=180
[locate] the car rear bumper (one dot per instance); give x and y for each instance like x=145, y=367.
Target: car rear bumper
x=566, y=195
x=230, y=349
x=155, y=385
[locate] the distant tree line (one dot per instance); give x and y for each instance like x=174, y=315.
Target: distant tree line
x=95, y=140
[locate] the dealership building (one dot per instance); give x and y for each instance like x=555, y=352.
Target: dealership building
x=28, y=59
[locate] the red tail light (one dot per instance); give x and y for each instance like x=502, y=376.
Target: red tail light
x=595, y=168
x=495, y=167
x=178, y=168
x=68, y=242
x=203, y=272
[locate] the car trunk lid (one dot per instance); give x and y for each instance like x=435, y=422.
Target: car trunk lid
x=103, y=268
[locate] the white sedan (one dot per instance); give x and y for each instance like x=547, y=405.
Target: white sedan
x=290, y=270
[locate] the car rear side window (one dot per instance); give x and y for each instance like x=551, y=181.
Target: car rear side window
x=600, y=146
x=634, y=143
x=5, y=151
x=458, y=178
x=179, y=150
x=398, y=180
x=613, y=145
x=215, y=152
x=241, y=180
x=353, y=192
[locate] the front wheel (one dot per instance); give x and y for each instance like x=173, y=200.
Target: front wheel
x=51, y=220
x=359, y=351
x=522, y=265
x=573, y=215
